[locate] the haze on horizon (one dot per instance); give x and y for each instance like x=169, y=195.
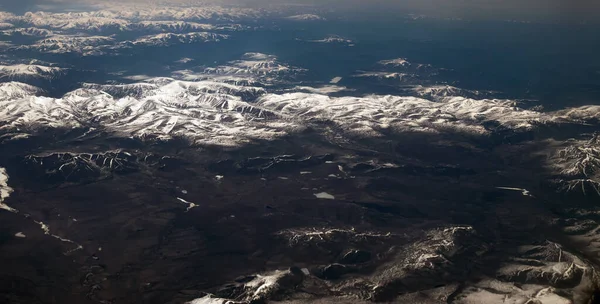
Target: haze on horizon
x=548, y=10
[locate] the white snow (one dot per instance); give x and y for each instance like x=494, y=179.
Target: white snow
x=306, y=17
x=335, y=80
x=5, y=191
x=190, y=204
x=85, y=44
x=395, y=62
x=383, y=75
x=20, y=235
x=123, y=16
x=326, y=89
x=46, y=230
x=16, y=90
x=137, y=77
x=255, y=66
x=166, y=39
x=334, y=39
x=44, y=227
x=263, y=284
x=28, y=70
x=363, y=116
x=184, y=60
x=209, y=299
x=525, y=192
x=324, y=195
x=214, y=113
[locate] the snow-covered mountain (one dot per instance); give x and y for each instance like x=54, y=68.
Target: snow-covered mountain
x=339, y=176
x=121, y=17
x=305, y=17
x=438, y=92
x=202, y=112
x=106, y=31
x=28, y=31
x=5, y=190
x=26, y=71
x=386, y=75
x=171, y=39
x=334, y=39
x=12, y=91
x=101, y=45
x=254, y=67
x=82, y=44
x=578, y=164
x=398, y=62
x=221, y=113
x=369, y=116
x=172, y=26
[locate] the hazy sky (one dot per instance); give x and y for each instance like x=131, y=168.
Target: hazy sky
x=573, y=10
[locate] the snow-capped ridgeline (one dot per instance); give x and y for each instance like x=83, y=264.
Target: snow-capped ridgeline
x=28, y=31
x=367, y=115
x=256, y=66
x=124, y=17
x=5, y=25
x=17, y=71
x=398, y=62
x=156, y=27
x=81, y=44
x=253, y=70
x=167, y=39
x=100, y=45
x=577, y=163
x=204, y=112
x=97, y=32
x=228, y=114
x=305, y=17
x=335, y=40
x=16, y=90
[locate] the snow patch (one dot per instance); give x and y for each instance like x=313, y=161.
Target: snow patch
x=306, y=17
x=184, y=60
x=335, y=80
x=209, y=299
x=324, y=195
x=334, y=39
x=5, y=191
x=398, y=62
x=190, y=204
x=29, y=70
x=324, y=90
x=525, y=192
